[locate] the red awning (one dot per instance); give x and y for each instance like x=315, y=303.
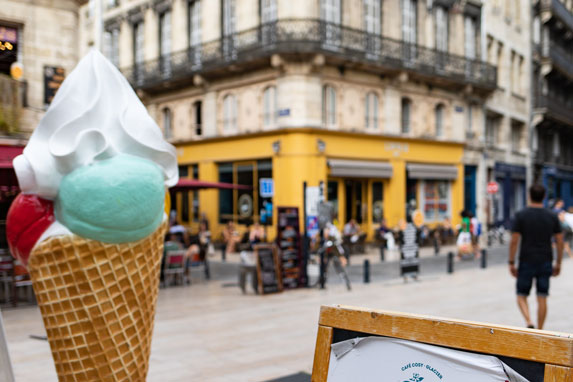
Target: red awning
x=194, y=184
x=7, y=155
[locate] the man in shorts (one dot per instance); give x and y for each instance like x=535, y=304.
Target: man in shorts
x=535, y=226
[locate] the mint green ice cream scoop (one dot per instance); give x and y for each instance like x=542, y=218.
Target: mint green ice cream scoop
x=115, y=200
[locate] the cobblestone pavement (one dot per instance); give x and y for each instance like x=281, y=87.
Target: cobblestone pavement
x=209, y=331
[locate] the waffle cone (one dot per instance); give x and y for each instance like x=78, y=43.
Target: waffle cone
x=98, y=304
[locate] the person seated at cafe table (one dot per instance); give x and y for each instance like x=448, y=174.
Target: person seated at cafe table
x=231, y=237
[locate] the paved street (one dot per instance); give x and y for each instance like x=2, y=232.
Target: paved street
x=209, y=331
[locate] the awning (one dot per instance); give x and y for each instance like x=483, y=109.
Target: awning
x=432, y=171
x=359, y=169
x=7, y=155
x=194, y=184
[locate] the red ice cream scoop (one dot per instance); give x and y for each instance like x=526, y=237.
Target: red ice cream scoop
x=28, y=218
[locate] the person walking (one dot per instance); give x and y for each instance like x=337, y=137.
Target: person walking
x=535, y=227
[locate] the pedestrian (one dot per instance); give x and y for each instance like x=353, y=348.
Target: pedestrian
x=535, y=227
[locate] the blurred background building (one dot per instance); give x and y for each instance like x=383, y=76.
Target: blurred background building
x=552, y=122
x=39, y=45
x=373, y=100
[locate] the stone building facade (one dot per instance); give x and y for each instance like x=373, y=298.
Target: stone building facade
x=552, y=120
x=404, y=83
x=43, y=34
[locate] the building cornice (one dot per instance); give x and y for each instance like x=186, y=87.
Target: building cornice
x=319, y=132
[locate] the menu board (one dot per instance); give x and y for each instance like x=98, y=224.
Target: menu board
x=268, y=270
x=289, y=243
x=409, y=260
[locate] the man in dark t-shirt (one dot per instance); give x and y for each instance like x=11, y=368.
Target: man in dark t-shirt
x=535, y=226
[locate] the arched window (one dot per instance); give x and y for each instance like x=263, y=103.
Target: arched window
x=270, y=107
x=229, y=113
x=406, y=115
x=440, y=120
x=371, y=110
x=328, y=106
x=167, y=123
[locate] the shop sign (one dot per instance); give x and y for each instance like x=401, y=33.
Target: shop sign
x=374, y=359
x=492, y=188
x=53, y=78
x=266, y=187
x=284, y=112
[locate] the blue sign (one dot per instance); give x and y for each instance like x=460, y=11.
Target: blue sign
x=266, y=187
x=284, y=112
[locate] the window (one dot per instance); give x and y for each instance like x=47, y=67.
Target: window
x=470, y=37
x=10, y=52
x=516, y=133
x=197, y=112
x=112, y=3
x=244, y=206
x=406, y=115
x=332, y=197
x=229, y=113
x=491, y=126
x=372, y=16
x=377, y=202
x=268, y=11
x=536, y=30
x=194, y=20
x=165, y=34
x=229, y=21
x=371, y=110
x=195, y=170
x=441, y=29
x=331, y=14
x=330, y=11
x=409, y=18
x=470, y=120
x=435, y=198
x=440, y=120
x=167, y=123
x=270, y=107
x=181, y=203
x=138, y=41
x=328, y=106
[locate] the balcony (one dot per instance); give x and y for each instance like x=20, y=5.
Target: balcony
x=558, y=9
x=554, y=109
x=562, y=60
x=340, y=45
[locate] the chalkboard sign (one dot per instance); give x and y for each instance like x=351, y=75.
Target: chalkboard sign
x=289, y=243
x=53, y=78
x=367, y=340
x=268, y=270
x=409, y=260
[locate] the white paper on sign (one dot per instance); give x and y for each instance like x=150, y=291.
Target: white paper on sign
x=375, y=359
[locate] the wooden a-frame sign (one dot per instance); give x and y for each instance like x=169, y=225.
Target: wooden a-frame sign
x=553, y=351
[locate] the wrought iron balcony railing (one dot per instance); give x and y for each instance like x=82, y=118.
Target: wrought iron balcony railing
x=301, y=36
x=562, y=59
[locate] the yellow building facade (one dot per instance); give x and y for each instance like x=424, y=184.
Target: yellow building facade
x=359, y=172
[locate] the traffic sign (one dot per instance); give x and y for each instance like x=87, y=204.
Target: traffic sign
x=492, y=188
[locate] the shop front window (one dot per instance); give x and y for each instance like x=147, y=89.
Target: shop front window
x=245, y=206
x=332, y=197
x=377, y=202
x=435, y=198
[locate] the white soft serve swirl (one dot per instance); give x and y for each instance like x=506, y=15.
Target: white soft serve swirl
x=94, y=115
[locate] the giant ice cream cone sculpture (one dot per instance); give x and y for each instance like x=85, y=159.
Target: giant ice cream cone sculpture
x=90, y=223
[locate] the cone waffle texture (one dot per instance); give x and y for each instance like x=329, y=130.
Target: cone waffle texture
x=98, y=304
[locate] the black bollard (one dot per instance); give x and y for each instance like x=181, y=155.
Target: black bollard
x=322, y=279
x=382, y=251
x=436, y=246
x=450, y=262
x=483, y=258
x=366, y=271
